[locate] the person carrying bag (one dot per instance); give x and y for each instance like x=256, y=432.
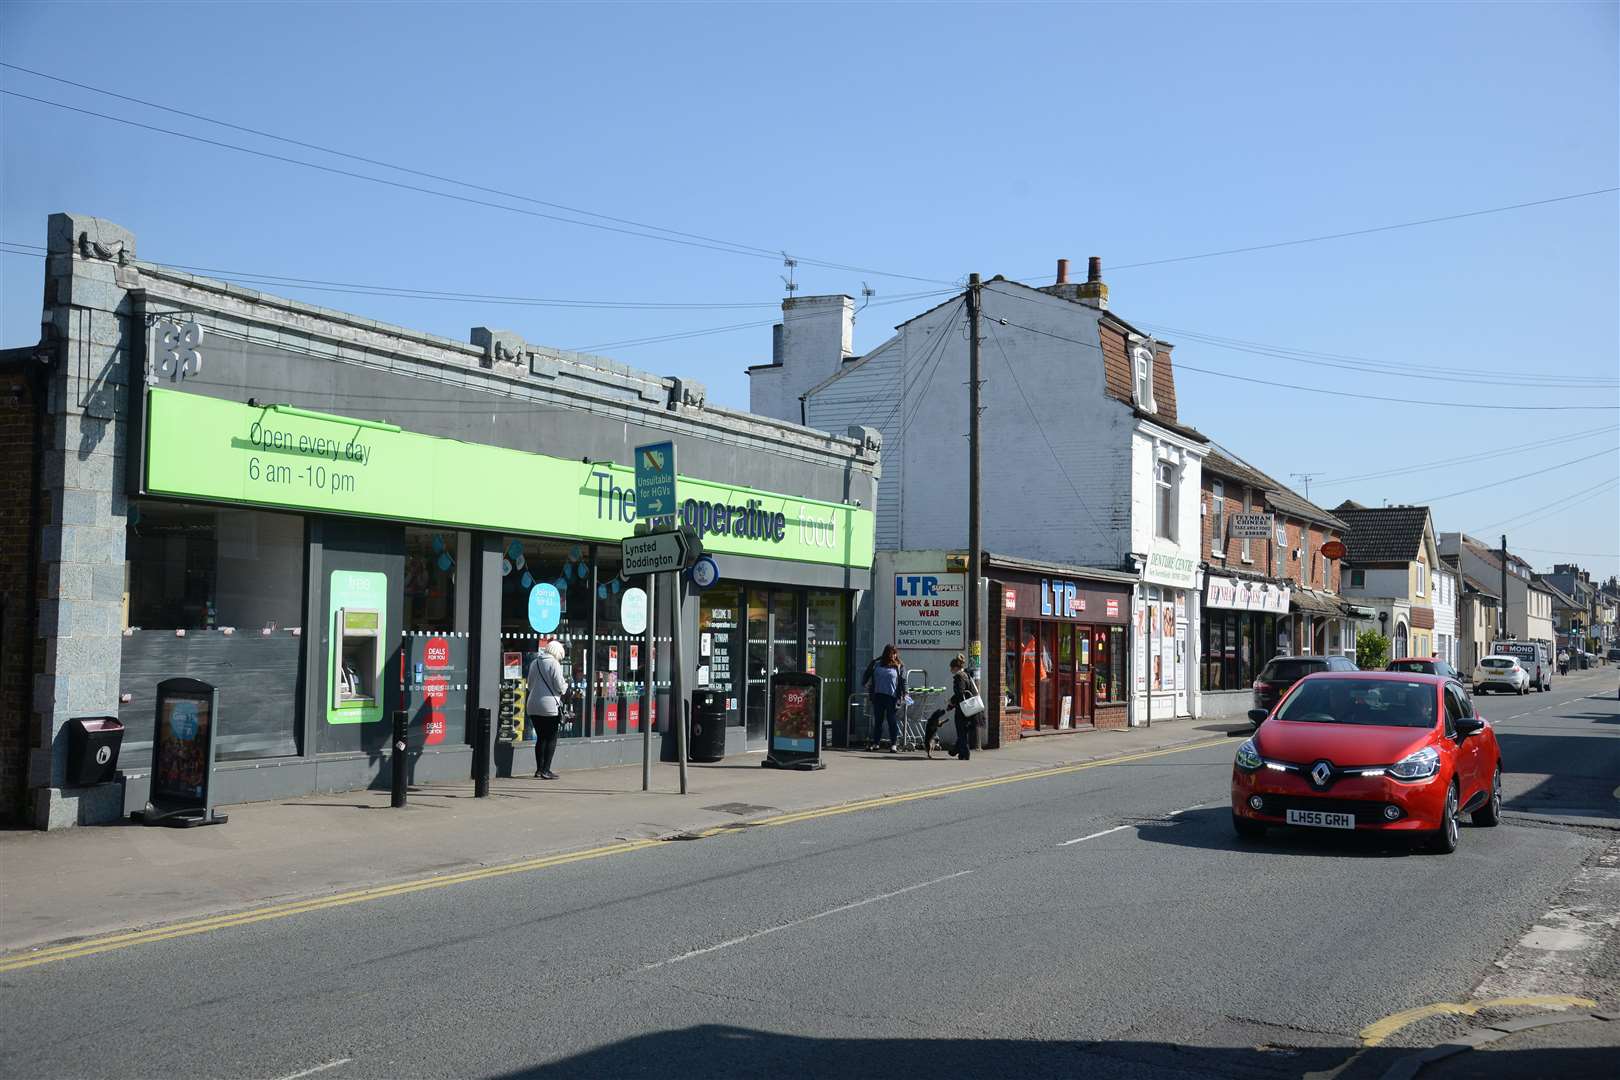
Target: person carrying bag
x=547, y=697
x=967, y=705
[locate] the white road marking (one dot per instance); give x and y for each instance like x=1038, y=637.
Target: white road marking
x=798, y=922
x=316, y=1069
x=1117, y=828
x=1093, y=836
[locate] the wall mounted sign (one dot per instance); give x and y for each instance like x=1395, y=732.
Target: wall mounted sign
x=1242, y=595
x=1167, y=566
x=1250, y=526
x=930, y=611
x=210, y=448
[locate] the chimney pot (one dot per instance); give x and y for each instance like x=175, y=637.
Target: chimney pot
x=1094, y=268
x=1063, y=272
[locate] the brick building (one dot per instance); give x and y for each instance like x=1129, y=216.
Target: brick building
x=22, y=439
x=1262, y=597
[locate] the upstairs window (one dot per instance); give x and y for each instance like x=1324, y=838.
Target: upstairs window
x=1358, y=579
x=1142, y=378
x=1217, y=519
x=1248, y=507
x=1164, y=479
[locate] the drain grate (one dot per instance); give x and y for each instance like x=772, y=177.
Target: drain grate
x=741, y=809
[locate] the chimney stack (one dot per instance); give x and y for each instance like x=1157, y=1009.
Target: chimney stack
x=1093, y=293
x=1063, y=272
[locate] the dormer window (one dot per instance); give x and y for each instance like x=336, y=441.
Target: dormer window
x=1142, y=378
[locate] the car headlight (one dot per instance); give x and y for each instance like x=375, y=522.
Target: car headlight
x=1418, y=766
x=1248, y=756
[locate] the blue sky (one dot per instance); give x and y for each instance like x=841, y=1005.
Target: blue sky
x=927, y=141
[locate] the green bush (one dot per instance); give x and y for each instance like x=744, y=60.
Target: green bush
x=1372, y=650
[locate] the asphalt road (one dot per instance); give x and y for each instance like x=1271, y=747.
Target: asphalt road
x=1102, y=922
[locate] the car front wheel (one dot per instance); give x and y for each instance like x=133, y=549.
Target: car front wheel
x=1444, y=840
x=1490, y=814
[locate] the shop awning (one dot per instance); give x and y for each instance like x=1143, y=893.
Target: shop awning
x=1312, y=602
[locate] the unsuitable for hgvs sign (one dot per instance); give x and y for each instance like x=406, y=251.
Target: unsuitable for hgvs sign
x=655, y=480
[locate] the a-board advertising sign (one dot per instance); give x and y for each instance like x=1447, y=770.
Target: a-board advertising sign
x=794, y=737
x=183, y=755
x=930, y=611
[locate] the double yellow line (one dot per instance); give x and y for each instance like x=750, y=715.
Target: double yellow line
x=112, y=942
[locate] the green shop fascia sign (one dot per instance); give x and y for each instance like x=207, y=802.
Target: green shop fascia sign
x=286, y=458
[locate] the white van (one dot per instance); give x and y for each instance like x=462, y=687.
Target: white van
x=1534, y=656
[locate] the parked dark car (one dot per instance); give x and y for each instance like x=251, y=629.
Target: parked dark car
x=1416, y=665
x=1282, y=672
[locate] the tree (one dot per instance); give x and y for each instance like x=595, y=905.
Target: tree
x=1372, y=650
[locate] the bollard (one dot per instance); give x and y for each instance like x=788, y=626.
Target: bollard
x=481, y=751
x=402, y=721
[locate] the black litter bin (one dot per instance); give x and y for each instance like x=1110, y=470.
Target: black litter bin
x=708, y=725
x=93, y=743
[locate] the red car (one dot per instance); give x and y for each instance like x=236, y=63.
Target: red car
x=1372, y=751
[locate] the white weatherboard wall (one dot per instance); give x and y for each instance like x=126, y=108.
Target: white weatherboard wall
x=1056, y=467
x=1444, y=599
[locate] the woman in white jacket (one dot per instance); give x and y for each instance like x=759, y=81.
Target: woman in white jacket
x=543, y=704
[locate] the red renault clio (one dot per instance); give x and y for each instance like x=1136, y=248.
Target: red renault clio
x=1369, y=751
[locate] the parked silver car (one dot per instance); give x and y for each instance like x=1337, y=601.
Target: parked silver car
x=1501, y=673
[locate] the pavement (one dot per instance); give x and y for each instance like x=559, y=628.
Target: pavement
x=1094, y=919
x=80, y=882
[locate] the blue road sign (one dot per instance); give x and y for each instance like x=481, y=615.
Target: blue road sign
x=655, y=480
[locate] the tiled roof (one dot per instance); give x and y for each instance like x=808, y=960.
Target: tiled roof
x=1222, y=462
x=1382, y=534
x=1476, y=586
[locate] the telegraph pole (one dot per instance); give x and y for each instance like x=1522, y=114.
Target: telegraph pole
x=1503, y=631
x=975, y=538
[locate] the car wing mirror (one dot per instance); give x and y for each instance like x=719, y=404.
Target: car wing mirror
x=1257, y=715
x=1469, y=725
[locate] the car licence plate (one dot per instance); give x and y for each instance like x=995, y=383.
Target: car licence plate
x=1321, y=819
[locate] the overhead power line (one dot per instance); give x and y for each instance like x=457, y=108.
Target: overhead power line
x=1605, y=452
x=1468, y=458
x=1339, y=393
x=1557, y=505
x=1370, y=230
x=667, y=236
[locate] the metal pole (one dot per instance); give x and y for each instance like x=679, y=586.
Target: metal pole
x=678, y=676
x=481, y=751
x=402, y=720
x=975, y=540
x=649, y=691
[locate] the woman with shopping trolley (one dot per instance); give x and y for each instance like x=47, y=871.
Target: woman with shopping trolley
x=886, y=683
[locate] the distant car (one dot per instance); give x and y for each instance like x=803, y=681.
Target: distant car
x=1372, y=751
x=1614, y=655
x=1501, y=673
x=1534, y=656
x=1416, y=665
x=1282, y=672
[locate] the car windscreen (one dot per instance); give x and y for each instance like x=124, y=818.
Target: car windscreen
x=1291, y=671
x=1496, y=662
x=1367, y=702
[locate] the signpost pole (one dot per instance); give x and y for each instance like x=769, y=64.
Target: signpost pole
x=678, y=676
x=649, y=688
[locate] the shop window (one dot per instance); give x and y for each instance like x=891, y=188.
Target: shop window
x=430, y=579
x=720, y=647
x=531, y=571
x=1165, y=517
x=827, y=652
x=216, y=594
x=1117, y=686
x=1010, y=667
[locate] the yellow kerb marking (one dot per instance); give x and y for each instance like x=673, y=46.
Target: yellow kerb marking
x=1375, y=1033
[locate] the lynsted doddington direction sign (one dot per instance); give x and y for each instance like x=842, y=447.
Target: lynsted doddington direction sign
x=655, y=553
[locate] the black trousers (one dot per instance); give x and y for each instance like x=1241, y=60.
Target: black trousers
x=545, y=744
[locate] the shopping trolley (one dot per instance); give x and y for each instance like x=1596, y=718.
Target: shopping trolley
x=921, y=699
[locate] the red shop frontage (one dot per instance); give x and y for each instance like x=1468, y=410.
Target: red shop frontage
x=1059, y=648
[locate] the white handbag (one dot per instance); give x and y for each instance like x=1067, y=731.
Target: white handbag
x=971, y=706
